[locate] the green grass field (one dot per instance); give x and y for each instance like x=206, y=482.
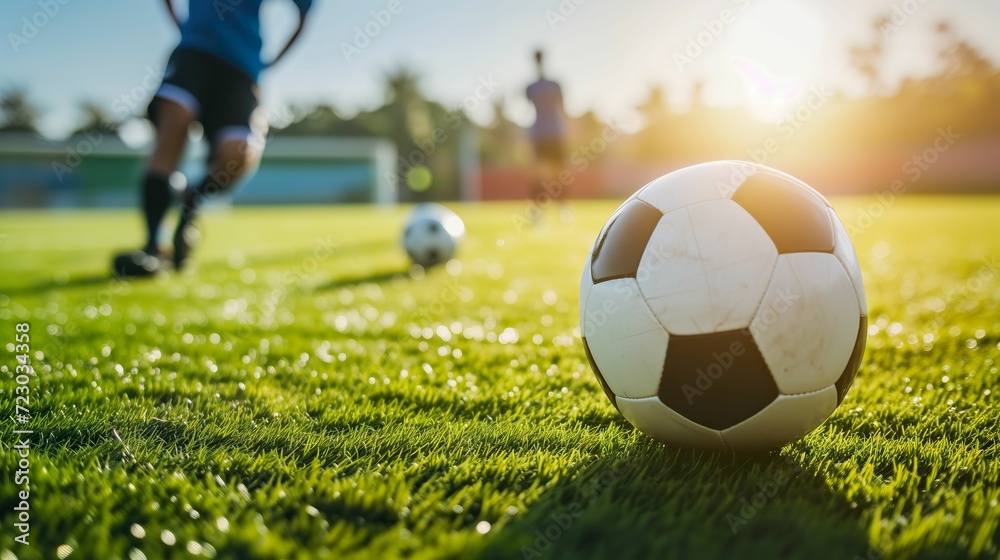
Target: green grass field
x=300, y=396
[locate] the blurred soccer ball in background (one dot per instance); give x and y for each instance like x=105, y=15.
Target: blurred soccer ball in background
x=432, y=234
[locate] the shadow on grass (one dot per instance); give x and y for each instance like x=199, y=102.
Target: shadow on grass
x=331, y=250
x=77, y=282
x=378, y=278
x=663, y=503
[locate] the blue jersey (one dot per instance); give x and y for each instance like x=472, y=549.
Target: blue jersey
x=230, y=30
x=547, y=97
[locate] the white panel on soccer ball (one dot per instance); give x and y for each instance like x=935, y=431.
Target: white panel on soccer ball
x=627, y=342
x=843, y=249
x=807, y=325
x=586, y=283
x=699, y=183
x=657, y=420
x=785, y=420
x=706, y=267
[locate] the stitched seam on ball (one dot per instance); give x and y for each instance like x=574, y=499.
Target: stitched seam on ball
x=780, y=394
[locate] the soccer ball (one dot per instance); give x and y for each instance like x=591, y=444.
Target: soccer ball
x=432, y=234
x=722, y=308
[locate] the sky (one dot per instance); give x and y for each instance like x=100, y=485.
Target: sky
x=606, y=53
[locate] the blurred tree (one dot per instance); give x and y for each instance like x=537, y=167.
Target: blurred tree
x=425, y=132
x=95, y=118
x=960, y=57
x=503, y=141
x=865, y=59
x=17, y=113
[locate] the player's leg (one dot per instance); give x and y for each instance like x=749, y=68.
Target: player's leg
x=236, y=130
x=546, y=185
x=235, y=153
x=172, y=122
x=172, y=111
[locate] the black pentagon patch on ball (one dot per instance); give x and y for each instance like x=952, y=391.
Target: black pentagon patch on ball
x=623, y=241
x=847, y=378
x=796, y=219
x=600, y=377
x=716, y=380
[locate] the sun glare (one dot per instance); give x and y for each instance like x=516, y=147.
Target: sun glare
x=776, y=49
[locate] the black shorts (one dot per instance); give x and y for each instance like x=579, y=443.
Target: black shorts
x=550, y=151
x=221, y=97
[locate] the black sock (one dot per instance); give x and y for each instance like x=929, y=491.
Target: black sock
x=155, y=201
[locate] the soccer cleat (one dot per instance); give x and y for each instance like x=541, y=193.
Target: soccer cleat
x=186, y=237
x=136, y=264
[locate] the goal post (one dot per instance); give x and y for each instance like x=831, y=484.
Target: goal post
x=299, y=170
x=102, y=171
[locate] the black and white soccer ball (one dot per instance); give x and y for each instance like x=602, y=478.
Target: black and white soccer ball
x=722, y=307
x=432, y=234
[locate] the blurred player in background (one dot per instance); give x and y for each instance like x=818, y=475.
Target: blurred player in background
x=211, y=78
x=548, y=132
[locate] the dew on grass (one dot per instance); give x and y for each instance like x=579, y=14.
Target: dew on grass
x=494, y=271
x=194, y=547
x=508, y=336
x=136, y=554
x=64, y=551
x=168, y=538
x=443, y=332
